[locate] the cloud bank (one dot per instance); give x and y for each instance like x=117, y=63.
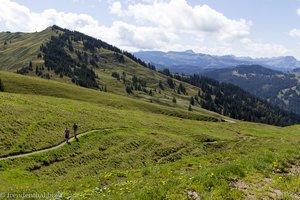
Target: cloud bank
x=151, y=25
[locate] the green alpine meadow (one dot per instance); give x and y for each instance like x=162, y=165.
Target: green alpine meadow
x=136, y=149
x=82, y=118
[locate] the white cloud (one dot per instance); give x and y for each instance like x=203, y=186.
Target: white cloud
x=151, y=25
x=178, y=15
x=131, y=37
x=19, y=18
x=261, y=49
x=116, y=8
x=142, y=37
x=298, y=11
x=295, y=33
x=14, y=16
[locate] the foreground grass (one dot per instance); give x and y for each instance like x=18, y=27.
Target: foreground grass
x=142, y=163
x=144, y=156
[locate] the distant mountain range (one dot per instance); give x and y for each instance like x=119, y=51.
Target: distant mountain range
x=189, y=62
x=297, y=70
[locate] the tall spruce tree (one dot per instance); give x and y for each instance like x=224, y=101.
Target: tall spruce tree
x=1, y=86
x=190, y=108
x=161, y=86
x=192, y=101
x=174, y=100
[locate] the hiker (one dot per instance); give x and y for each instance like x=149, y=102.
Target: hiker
x=67, y=134
x=75, y=128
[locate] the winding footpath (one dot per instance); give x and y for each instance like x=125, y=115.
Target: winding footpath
x=53, y=147
x=64, y=143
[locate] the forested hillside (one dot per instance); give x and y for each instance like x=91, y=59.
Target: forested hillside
x=278, y=88
x=230, y=100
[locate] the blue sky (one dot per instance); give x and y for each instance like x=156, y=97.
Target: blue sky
x=256, y=28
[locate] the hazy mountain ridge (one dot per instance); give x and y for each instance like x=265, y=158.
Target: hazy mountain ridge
x=190, y=62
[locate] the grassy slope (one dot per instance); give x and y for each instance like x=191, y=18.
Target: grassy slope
x=14, y=83
x=152, y=78
x=108, y=64
x=47, y=117
x=149, y=154
x=156, y=156
x=21, y=48
x=26, y=46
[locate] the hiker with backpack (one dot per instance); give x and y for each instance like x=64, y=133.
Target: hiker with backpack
x=67, y=134
x=75, y=128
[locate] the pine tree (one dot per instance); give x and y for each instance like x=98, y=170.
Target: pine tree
x=192, y=101
x=201, y=103
x=135, y=79
x=171, y=83
x=174, y=100
x=129, y=90
x=116, y=75
x=161, y=85
x=30, y=66
x=178, y=91
x=182, y=88
x=123, y=77
x=1, y=86
x=166, y=72
x=190, y=108
x=151, y=93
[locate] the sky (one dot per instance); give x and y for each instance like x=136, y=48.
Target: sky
x=255, y=28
